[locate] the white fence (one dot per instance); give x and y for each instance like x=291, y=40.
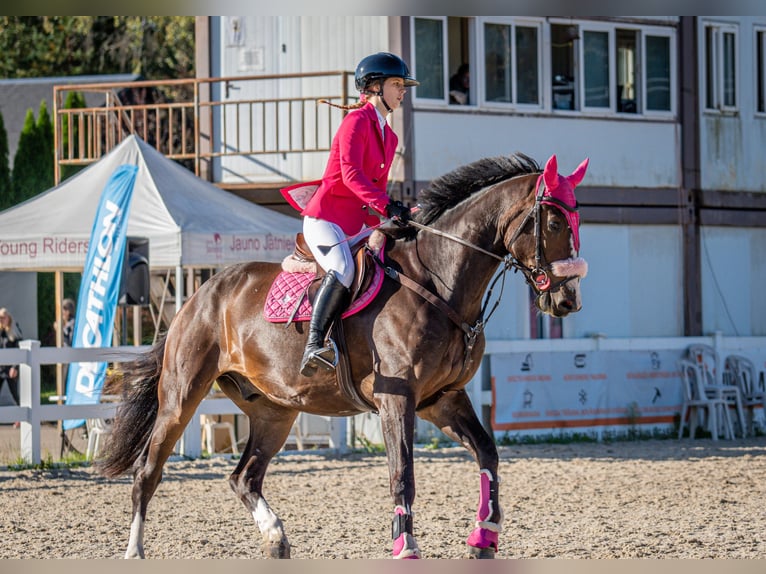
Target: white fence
x=510, y=373
x=31, y=414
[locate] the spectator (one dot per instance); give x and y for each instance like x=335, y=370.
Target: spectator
x=9, y=338
x=459, y=86
x=67, y=319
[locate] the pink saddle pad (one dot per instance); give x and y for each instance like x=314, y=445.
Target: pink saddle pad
x=290, y=290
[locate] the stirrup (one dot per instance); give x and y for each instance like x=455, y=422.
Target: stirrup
x=318, y=360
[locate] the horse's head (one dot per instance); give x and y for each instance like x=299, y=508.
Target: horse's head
x=549, y=254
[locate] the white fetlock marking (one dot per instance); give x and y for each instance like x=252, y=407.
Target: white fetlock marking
x=136, y=542
x=491, y=526
x=268, y=523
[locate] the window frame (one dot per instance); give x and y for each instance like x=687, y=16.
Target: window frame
x=513, y=23
x=759, y=75
x=719, y=31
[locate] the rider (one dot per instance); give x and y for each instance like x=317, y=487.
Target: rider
x=354, y=181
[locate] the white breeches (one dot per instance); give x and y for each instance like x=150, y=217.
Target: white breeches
x=338, y=259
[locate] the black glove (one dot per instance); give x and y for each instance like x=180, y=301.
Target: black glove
x=399, y=212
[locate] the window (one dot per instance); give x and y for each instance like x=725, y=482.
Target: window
x=627, y=92
x=564, y=95
x=596, y=65
x=598, y=68
x=443, y=59
x=429, y=58
x=659, y=72
x=512, y=62
x=760, y=72
x=720, y=67
x=593, y=66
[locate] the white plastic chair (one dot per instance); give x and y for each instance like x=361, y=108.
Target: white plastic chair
x=741, y=372
x=209, y=426
x=696, y=399
x=96, y=428
x=713, y=380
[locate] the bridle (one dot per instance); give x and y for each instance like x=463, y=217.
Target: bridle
x=537, y=277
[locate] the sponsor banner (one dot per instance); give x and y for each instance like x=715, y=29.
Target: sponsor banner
x=99, y=290
x=232, y=248
x=43, y=251
x=554, y=390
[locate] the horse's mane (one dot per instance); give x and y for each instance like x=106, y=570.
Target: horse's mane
x=451, y=188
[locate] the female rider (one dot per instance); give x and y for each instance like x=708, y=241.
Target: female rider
x=352, y=188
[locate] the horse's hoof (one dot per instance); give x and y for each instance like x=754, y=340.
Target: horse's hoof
x=277, y=550
x=487, y=553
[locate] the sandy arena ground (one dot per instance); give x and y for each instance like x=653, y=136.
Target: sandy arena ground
x=646, y=499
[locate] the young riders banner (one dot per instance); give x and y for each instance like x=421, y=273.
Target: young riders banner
x=99, y=289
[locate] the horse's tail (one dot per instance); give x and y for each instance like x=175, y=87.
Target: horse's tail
x=136, y=414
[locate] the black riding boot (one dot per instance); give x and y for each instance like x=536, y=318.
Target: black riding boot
x=329, y=303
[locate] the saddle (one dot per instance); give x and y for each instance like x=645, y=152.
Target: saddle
x=292, y=292
x=290, y=296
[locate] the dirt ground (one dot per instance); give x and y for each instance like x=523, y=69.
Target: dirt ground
x=645, y=499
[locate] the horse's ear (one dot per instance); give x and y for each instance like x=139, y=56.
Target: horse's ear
x=579, y=173
x=551, y=173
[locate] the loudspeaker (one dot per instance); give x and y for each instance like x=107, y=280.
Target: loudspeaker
x=134, y=284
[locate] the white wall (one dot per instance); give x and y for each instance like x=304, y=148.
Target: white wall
x=284, y=45
x=622, y=153
x=633, y=287
x=733, y=274
x=731, y=145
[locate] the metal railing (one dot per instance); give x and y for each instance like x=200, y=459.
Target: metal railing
x=276, y=114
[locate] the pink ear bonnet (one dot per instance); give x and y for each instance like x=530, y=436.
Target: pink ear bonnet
x=559, y=192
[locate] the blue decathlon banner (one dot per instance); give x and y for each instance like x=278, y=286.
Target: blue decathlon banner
x=100, y=288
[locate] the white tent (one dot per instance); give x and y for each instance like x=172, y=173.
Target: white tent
x=189, y=222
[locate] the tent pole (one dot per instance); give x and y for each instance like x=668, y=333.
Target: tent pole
x=58, y=295
x=58, y=290
x=179, y=287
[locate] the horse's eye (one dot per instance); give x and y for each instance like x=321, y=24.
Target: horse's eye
x=554, y=225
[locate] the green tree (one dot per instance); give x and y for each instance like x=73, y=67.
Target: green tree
x=157, y=47
x=6, y=192
x=33, y=162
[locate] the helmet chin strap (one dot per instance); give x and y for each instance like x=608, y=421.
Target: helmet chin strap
x=382, y=99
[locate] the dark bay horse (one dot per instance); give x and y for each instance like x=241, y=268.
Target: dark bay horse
x=411, y=351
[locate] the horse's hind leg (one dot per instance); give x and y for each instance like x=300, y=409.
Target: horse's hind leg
x=172, y=418
x=454, y=415
x=269, y=427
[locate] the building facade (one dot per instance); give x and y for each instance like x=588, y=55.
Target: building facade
x=671, y=112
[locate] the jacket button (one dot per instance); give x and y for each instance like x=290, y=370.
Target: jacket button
x=382, y=165
x=374, y=180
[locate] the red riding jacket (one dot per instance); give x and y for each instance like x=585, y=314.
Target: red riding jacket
x=356, y=174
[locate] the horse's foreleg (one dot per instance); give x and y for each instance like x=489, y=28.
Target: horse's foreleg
x=269, y=428
x=397, y=417
x=454, y=415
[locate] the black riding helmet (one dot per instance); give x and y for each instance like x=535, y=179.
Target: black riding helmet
x=379, y=67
